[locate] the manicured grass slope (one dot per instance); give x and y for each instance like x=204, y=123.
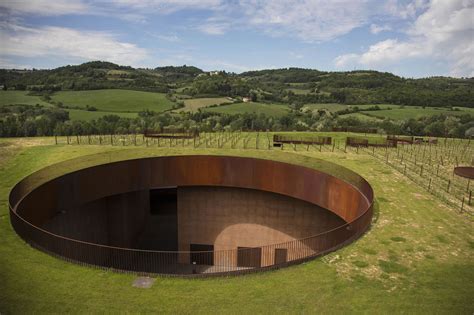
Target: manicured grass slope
x=274, y=110
x=417, y=257
x=19, y=98
x=115, y=100
x=194, y=103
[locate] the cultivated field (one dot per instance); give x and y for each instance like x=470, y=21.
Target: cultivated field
x=126, y=103
x=19, y=98
x=194, y=104
x=362, y=117
x=416, y=258
x=115, y=100
x=274, y=110
x=393, y=112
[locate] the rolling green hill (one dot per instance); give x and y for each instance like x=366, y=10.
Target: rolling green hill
x=19, y=98
x=194, y=103
x=286, y=85
x=124, y=101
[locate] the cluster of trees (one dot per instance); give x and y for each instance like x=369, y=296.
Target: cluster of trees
x=17, y=121
x=221, y=84
x=435, y=126
x=29, y=121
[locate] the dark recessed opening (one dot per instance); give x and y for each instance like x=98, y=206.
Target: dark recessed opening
x=201, y=254
x=249, y=257
x=161, y=229
x=281, y=255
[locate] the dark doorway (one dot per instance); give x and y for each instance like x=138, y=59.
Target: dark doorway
x=249, y=257
x=281, y=255
x=161, y=231
x=164, y=202
x=202, y=254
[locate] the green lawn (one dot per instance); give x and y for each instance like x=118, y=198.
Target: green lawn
x=19, y=97
x=194, y=103
x=274, y=110
x=115, y=100
x=416, y=258
x=416, y=112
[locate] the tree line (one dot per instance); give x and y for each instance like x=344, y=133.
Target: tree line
x=28, y=121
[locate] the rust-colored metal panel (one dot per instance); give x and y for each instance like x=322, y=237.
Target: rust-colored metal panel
x=464, y=171
x=30, y=206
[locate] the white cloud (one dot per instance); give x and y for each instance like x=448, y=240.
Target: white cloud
x=8, y=64
x=309, y=20
x=221, y=64
x=445, y=31
x=165, y=6
x=173, y=38
x=405, y=10
x=45, y=7
x=129, y=10
x=296, y=55
x=346, y=61
x=375, y=29
x=67, y=43
x=213, y=28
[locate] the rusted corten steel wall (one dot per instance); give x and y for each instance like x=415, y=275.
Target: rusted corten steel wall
x=300, y=140
x=31, y=209
x=403, y=139
x=464, y=171
x=364, y=142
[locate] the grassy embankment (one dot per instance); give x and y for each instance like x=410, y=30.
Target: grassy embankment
x=417, y=257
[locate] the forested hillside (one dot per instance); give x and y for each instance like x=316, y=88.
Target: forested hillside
x=292, y=85
x=102, y=97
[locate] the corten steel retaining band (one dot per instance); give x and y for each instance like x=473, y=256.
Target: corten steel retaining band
x=33, y=205
x=464, y=171
x=300, y=140
x=364, y=142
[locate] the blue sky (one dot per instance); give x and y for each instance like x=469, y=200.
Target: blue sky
x=411, y=38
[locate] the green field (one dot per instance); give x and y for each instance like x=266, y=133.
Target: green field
x=361, y=117
x=251, y=107
x=19, y=98
x=335, y=107
x=115, y=100
x=416, y=258
x=300, y=91
x=194, y=103
x=416, y=112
